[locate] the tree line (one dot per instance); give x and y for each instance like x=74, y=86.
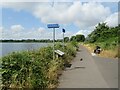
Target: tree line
x=104, y=33
x=26, y=40
x=77, y=38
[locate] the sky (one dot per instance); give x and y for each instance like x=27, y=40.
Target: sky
x=28, y=20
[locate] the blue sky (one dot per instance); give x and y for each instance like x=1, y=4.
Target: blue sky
x=26, y=19
x=29, y=20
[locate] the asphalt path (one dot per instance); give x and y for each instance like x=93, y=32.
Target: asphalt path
x=90, y=72
x=109, y=70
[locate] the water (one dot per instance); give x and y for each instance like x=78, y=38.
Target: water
x=6, y=48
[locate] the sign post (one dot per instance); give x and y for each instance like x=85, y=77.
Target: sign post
x=53, y=26
x=53, y=43
x=63, y=30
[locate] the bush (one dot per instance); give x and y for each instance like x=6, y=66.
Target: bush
x=23, y=69
x=33, y=69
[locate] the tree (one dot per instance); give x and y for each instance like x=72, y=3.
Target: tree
x=66, y=39
x=73, y=38
x=80, y=38
x=103, y=33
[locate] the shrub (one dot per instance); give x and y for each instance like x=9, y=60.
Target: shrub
x=22, y=69
x=36, y=68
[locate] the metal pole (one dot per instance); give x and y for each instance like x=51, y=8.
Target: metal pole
x=63, y=40
x=53, y=43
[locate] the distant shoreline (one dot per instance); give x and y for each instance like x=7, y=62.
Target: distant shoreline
x=30, y=41
x=25, y=42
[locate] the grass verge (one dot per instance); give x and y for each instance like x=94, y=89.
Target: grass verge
x=108, y=51
x=35, y=69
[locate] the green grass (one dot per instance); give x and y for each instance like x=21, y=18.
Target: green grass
x=109, y=48
x=35, y=69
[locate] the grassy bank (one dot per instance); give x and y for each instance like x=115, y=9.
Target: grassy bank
x=108, y=50
x=106, y=37
x=35, y=69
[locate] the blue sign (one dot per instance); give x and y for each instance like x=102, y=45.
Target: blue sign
x=53, y=26
x=63, y=30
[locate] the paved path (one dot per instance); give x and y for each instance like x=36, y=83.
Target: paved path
x=109, y=70
x=83, y=74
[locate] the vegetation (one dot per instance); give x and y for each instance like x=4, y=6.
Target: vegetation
x=103, y=33
x=106, y=37
x=66, y=39
x=73, y=38
x=78, y=38
x=32, y=40
x=35, y=69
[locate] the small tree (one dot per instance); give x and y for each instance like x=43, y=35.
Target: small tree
x=80, y=38
x=66, y=39
x=73, y=38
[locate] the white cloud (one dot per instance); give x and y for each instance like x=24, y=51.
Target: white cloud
x=26, y=0
x=17, y=28
x=69, y=34
x=84, y=32
x=41, y=30
x=82, y=15
x=19, y=5
x=85, y=16
x=39, y=33
x=58, y=0
x=112, y=20
x=91, y=14
x=1, y=29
